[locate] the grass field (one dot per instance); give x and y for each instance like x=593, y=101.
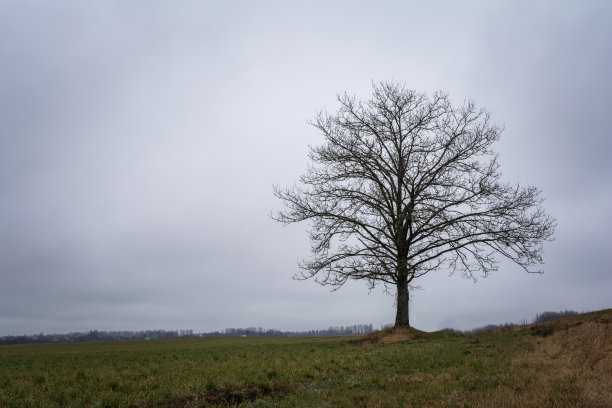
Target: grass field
x=565, y=363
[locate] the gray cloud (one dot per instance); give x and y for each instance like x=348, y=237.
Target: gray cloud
x=139, y=143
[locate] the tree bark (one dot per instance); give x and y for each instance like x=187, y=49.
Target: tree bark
x=401, y=318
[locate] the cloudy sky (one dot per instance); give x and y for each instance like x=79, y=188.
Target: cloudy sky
x=139, y=142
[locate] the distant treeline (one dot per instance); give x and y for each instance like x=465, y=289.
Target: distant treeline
x=95, y=335
x=540, y=318
x=259, y=332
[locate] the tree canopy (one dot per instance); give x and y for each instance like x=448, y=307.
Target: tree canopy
x=406, y=184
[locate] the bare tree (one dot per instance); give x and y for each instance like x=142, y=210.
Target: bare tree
x=406, y=184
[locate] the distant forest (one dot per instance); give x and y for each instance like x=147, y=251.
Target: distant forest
x=95, y=335
x=540, y=318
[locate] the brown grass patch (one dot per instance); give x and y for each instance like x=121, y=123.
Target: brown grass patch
x=568, y=363
x=389, y=336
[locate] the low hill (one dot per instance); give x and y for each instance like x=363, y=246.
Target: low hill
x=572, y=352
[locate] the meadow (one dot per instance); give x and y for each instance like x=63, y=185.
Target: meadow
x=564, y=363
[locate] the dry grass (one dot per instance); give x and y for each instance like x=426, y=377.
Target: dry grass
x=564, y=363
x=389, y=336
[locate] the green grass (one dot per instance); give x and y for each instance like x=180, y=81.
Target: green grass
x=499, y=368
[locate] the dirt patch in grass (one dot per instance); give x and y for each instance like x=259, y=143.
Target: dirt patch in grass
x=223, y=396
x=389, y=336
x=233, y=396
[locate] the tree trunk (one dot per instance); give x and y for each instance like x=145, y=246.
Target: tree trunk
x=402, y=318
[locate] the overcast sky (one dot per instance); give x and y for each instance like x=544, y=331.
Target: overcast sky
x=139, y=142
